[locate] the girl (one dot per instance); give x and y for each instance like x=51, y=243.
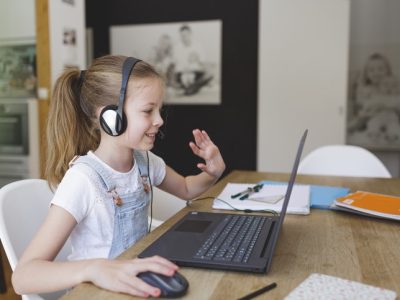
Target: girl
x=377, y=100
x=102, y=196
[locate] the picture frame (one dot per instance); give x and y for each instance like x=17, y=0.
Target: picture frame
x=185, y=53
x=374, y=97
x=374, y=76
x=18, y=70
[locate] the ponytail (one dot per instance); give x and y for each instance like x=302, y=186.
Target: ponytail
x=69, y=130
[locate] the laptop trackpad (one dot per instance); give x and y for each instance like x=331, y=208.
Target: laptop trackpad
x=197, y=226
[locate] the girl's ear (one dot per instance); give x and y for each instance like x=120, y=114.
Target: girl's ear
x=98, y=111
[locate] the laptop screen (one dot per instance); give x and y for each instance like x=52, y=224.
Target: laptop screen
x=292, y=177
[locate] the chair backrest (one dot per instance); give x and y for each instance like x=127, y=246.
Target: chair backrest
x=343, y=160
x=165, y=206
x=23, y=207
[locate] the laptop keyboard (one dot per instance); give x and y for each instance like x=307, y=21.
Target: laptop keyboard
x=233, y=239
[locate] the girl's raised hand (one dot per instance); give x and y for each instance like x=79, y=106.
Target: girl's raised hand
x=203, y=147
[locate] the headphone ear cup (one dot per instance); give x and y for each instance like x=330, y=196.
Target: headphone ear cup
x=111, y=121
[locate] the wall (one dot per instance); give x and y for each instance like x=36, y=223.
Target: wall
x=303, y=54
x=233, y=124
x=64, y=17
x=302, y=78
x=17, y=20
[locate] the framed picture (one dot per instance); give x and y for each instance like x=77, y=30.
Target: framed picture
x=187, y=54
x=374, y=112
x=69, y=53
x=18, y=70
x=374, y=76
x=70, y=2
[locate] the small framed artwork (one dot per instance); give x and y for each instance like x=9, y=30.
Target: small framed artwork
x=18, y=70
x=70, y=2
x=69, y=53
x=187, y=54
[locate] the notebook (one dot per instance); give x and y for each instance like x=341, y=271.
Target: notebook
x=320, y=286
x=241, y=242
x=269, y=197
x=370, y=204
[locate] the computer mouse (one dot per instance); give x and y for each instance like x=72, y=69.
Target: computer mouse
x=171, y=287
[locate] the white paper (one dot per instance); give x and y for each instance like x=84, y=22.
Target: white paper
x=299, y=202
x=319, y=286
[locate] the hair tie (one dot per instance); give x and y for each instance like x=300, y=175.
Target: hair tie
x=81, y=79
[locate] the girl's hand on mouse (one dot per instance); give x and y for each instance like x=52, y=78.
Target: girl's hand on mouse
x=120, y=275
x=204, y=147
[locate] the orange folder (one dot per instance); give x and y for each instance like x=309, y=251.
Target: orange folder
x=380, y=205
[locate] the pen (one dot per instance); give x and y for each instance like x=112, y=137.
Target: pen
x=253, y=190
x=241, y=193
x=259, y=292
x=249, y=190
x=245, y=196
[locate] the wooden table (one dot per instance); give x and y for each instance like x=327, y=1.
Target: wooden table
x=335, y=243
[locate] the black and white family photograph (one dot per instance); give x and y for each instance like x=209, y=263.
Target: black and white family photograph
x=188, y=54
x=374, y=98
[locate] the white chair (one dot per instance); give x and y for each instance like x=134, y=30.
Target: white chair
x=23, y=207
x=165, y=206
x=343, y=160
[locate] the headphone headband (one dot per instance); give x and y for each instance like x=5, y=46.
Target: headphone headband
x=127, y=68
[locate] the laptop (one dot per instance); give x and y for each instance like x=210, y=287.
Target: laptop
x=225, y=241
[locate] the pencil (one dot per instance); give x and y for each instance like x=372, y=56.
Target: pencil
x=259, y=292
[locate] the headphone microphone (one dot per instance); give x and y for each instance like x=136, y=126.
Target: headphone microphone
x=160, y=134
x=112, y=117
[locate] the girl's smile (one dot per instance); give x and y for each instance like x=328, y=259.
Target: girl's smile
x=152, y=136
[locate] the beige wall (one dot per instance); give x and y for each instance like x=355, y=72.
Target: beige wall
x=17, y=20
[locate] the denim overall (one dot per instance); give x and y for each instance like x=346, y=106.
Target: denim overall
x=130, y=210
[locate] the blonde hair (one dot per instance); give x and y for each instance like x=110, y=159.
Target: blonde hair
x=72, y=126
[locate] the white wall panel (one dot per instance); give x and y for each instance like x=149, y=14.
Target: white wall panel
x=303, y=62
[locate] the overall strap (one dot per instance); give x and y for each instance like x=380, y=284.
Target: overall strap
x=141, y=158
x=96, y=166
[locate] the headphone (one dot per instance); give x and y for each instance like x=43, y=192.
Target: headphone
x=112, y=117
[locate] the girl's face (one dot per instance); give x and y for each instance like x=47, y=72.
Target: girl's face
x=142, y=108
x=376, y=70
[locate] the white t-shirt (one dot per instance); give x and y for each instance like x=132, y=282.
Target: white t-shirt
x=86, y=199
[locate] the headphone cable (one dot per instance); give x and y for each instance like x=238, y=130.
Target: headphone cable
x=275, y=213
x=151, y=191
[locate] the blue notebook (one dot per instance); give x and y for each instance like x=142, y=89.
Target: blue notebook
x=322, y=196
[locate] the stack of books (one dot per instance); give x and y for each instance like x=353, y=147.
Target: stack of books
x=370, y=204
